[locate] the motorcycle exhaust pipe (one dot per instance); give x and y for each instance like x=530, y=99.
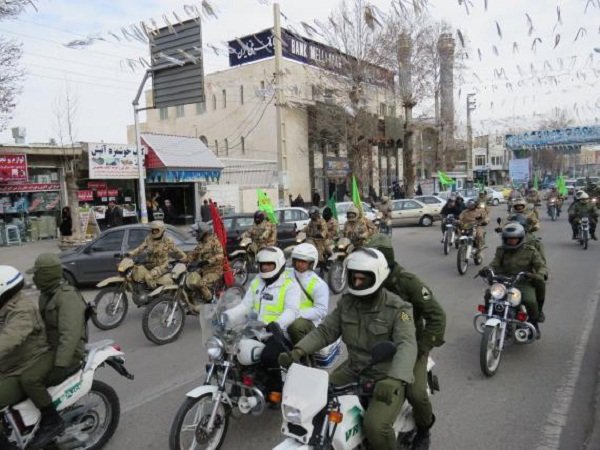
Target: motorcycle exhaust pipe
x=254, y=404
x=526, y=334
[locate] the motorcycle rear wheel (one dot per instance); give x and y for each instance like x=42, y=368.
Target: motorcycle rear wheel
x=335, y=278
x=197, y=411
x=107, y=315
x=154, y=323
x=489, y=353
x=99, y=431
x=462, y=263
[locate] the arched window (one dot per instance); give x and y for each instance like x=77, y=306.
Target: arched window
x=214, y=102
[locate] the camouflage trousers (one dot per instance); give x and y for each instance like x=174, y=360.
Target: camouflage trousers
x=203, y=283
x=151, y=277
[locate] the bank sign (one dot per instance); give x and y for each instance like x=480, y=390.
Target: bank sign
x=261, y=45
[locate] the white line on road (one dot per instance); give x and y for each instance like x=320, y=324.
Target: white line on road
x=173, y=383
x=557, y=418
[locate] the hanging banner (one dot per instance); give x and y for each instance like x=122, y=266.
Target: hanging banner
x=85, y=196
x=112, y=161
x=29, y=187
x=519, y=169
x=96, y=185
x=13, y=167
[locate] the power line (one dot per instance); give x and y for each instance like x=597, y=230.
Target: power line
x=78, y=81
x=71, y=72
x=72, y=61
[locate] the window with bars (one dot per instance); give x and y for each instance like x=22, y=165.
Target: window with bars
x=242, y=94
x=163, y=113
x=179, y=111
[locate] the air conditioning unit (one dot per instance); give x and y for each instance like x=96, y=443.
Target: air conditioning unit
x=18, y=134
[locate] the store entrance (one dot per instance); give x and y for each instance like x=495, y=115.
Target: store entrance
x=181, y=198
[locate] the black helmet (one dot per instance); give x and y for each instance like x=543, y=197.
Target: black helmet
x=471, y=204
x=327, y=214
x=314, y=213
x=259, y=217
x=510, y=231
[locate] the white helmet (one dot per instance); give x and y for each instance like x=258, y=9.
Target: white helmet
x=372, y=263
x=271, y=255
x=579, y=194
x=11, y=282
x=306, y=252
x=583, y=196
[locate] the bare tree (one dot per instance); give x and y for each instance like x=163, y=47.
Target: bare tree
x=11, y=51
x=65, y=109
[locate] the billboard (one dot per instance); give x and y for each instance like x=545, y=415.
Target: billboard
x=519, y=170
x=261, y=45
x=13, y=167
x=177, y=64
x=112, y=161
x=568, y=137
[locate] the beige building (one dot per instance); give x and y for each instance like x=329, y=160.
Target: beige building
x=238, y=122
x=490, y=159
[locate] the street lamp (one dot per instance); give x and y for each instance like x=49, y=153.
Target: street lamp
x=471, y=106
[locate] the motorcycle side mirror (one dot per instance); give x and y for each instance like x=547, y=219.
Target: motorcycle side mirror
x=382, y=351
x=498, y=220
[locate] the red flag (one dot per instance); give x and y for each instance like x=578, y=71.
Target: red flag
x=221, y=233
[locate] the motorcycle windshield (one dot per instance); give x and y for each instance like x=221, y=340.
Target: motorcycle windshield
x=211, y=322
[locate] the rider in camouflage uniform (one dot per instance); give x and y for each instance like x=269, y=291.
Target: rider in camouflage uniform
x=208, y=256
x=159, y=246
x=474, y=216
x=263, y=233
x=358, y=229
x=316, y=232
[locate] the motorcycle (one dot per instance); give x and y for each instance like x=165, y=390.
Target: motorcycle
x=243, y=262
x=164, y=317
x=552, y=208
x=583, y=235
x=502, y=319
x=449, y=233
x=331, y=416
x=111, y=303
x=336, y=277
x=89, y=407
x=467, y=249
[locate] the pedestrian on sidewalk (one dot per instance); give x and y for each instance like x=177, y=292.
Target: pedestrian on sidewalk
x=66, y=223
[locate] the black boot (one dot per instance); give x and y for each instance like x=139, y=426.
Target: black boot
x=542, y=317
x=5, y=444
x=51, y=426
x=422, y=439
x=537, y=328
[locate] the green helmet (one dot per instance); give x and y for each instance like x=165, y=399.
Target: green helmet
x=383, y=243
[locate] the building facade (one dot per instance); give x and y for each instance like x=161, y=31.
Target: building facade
x=490, y=159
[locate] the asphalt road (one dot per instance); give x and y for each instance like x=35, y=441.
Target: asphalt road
x=542, y=396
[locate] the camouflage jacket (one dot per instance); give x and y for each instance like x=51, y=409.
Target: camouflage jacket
x=211, y=251
x=158, y=251
x=475, y=216
x=358, y=231
x=333, y=229
x=263, y=234
x=316, y=229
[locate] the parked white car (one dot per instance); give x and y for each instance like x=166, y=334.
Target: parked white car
x=342, y=207
x=495, y=197
x=412, y=212
x=431, y=200
x=293, y=214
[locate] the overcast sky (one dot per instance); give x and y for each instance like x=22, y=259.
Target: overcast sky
x=514, y=88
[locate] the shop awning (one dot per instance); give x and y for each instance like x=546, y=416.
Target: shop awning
x=249, y=172
x=179, y=159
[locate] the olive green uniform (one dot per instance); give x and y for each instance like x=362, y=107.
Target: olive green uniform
x=579, y=210
x=362, y=323
x=209, y=249
x=22, y=343
x=523, y=259
x=316, y=233
x=158, y=251
x=430, y=324
x=63, y=312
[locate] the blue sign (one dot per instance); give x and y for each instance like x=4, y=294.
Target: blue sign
x=182, y=176
x=570, y=138
x=519, y=169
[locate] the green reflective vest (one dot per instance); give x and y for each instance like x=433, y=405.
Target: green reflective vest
x=270, y=312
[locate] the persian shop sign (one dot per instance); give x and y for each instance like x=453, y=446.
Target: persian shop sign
x=553, y=138
x=112, y=161
x=13, y=167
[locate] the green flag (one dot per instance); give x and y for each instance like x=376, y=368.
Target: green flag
x=445, y=180
x=561, y=185
x=535, y=182
x=264, y=205
x=331, y=205
x=356, y=196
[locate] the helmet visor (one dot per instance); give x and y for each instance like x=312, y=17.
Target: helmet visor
x=360, y=281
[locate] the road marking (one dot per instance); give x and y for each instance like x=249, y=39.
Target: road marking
x=557, y=418
x=150, y=395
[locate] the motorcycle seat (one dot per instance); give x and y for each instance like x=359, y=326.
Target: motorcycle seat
x=98, y=344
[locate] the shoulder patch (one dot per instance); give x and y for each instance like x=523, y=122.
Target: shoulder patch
x=405, y=317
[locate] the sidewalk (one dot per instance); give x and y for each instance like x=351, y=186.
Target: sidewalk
x=23, y=256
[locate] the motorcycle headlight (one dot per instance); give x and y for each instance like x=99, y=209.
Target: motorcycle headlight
x=292, y=415
x=552, y=200
x=214, y=348
x=498, y=291
x=514, y=297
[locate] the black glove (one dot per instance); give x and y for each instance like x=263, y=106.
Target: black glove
x=57, y=375
x=483, y=273
x=127, y=255
x=273, y=327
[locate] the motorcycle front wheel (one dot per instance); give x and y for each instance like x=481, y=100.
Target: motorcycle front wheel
x=100, y=415
x=584, y=240
x=447, y=243
x=462, y=263
x=553, y=214
x=489, y=353
x=336, y=278
x=110, y=307
x=240, y=270
x=189, y=426
x=163, y=321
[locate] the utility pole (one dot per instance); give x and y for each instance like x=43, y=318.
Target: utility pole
x=471, y=106
x=138, y=147
x=408, y=102
x=279, y=99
